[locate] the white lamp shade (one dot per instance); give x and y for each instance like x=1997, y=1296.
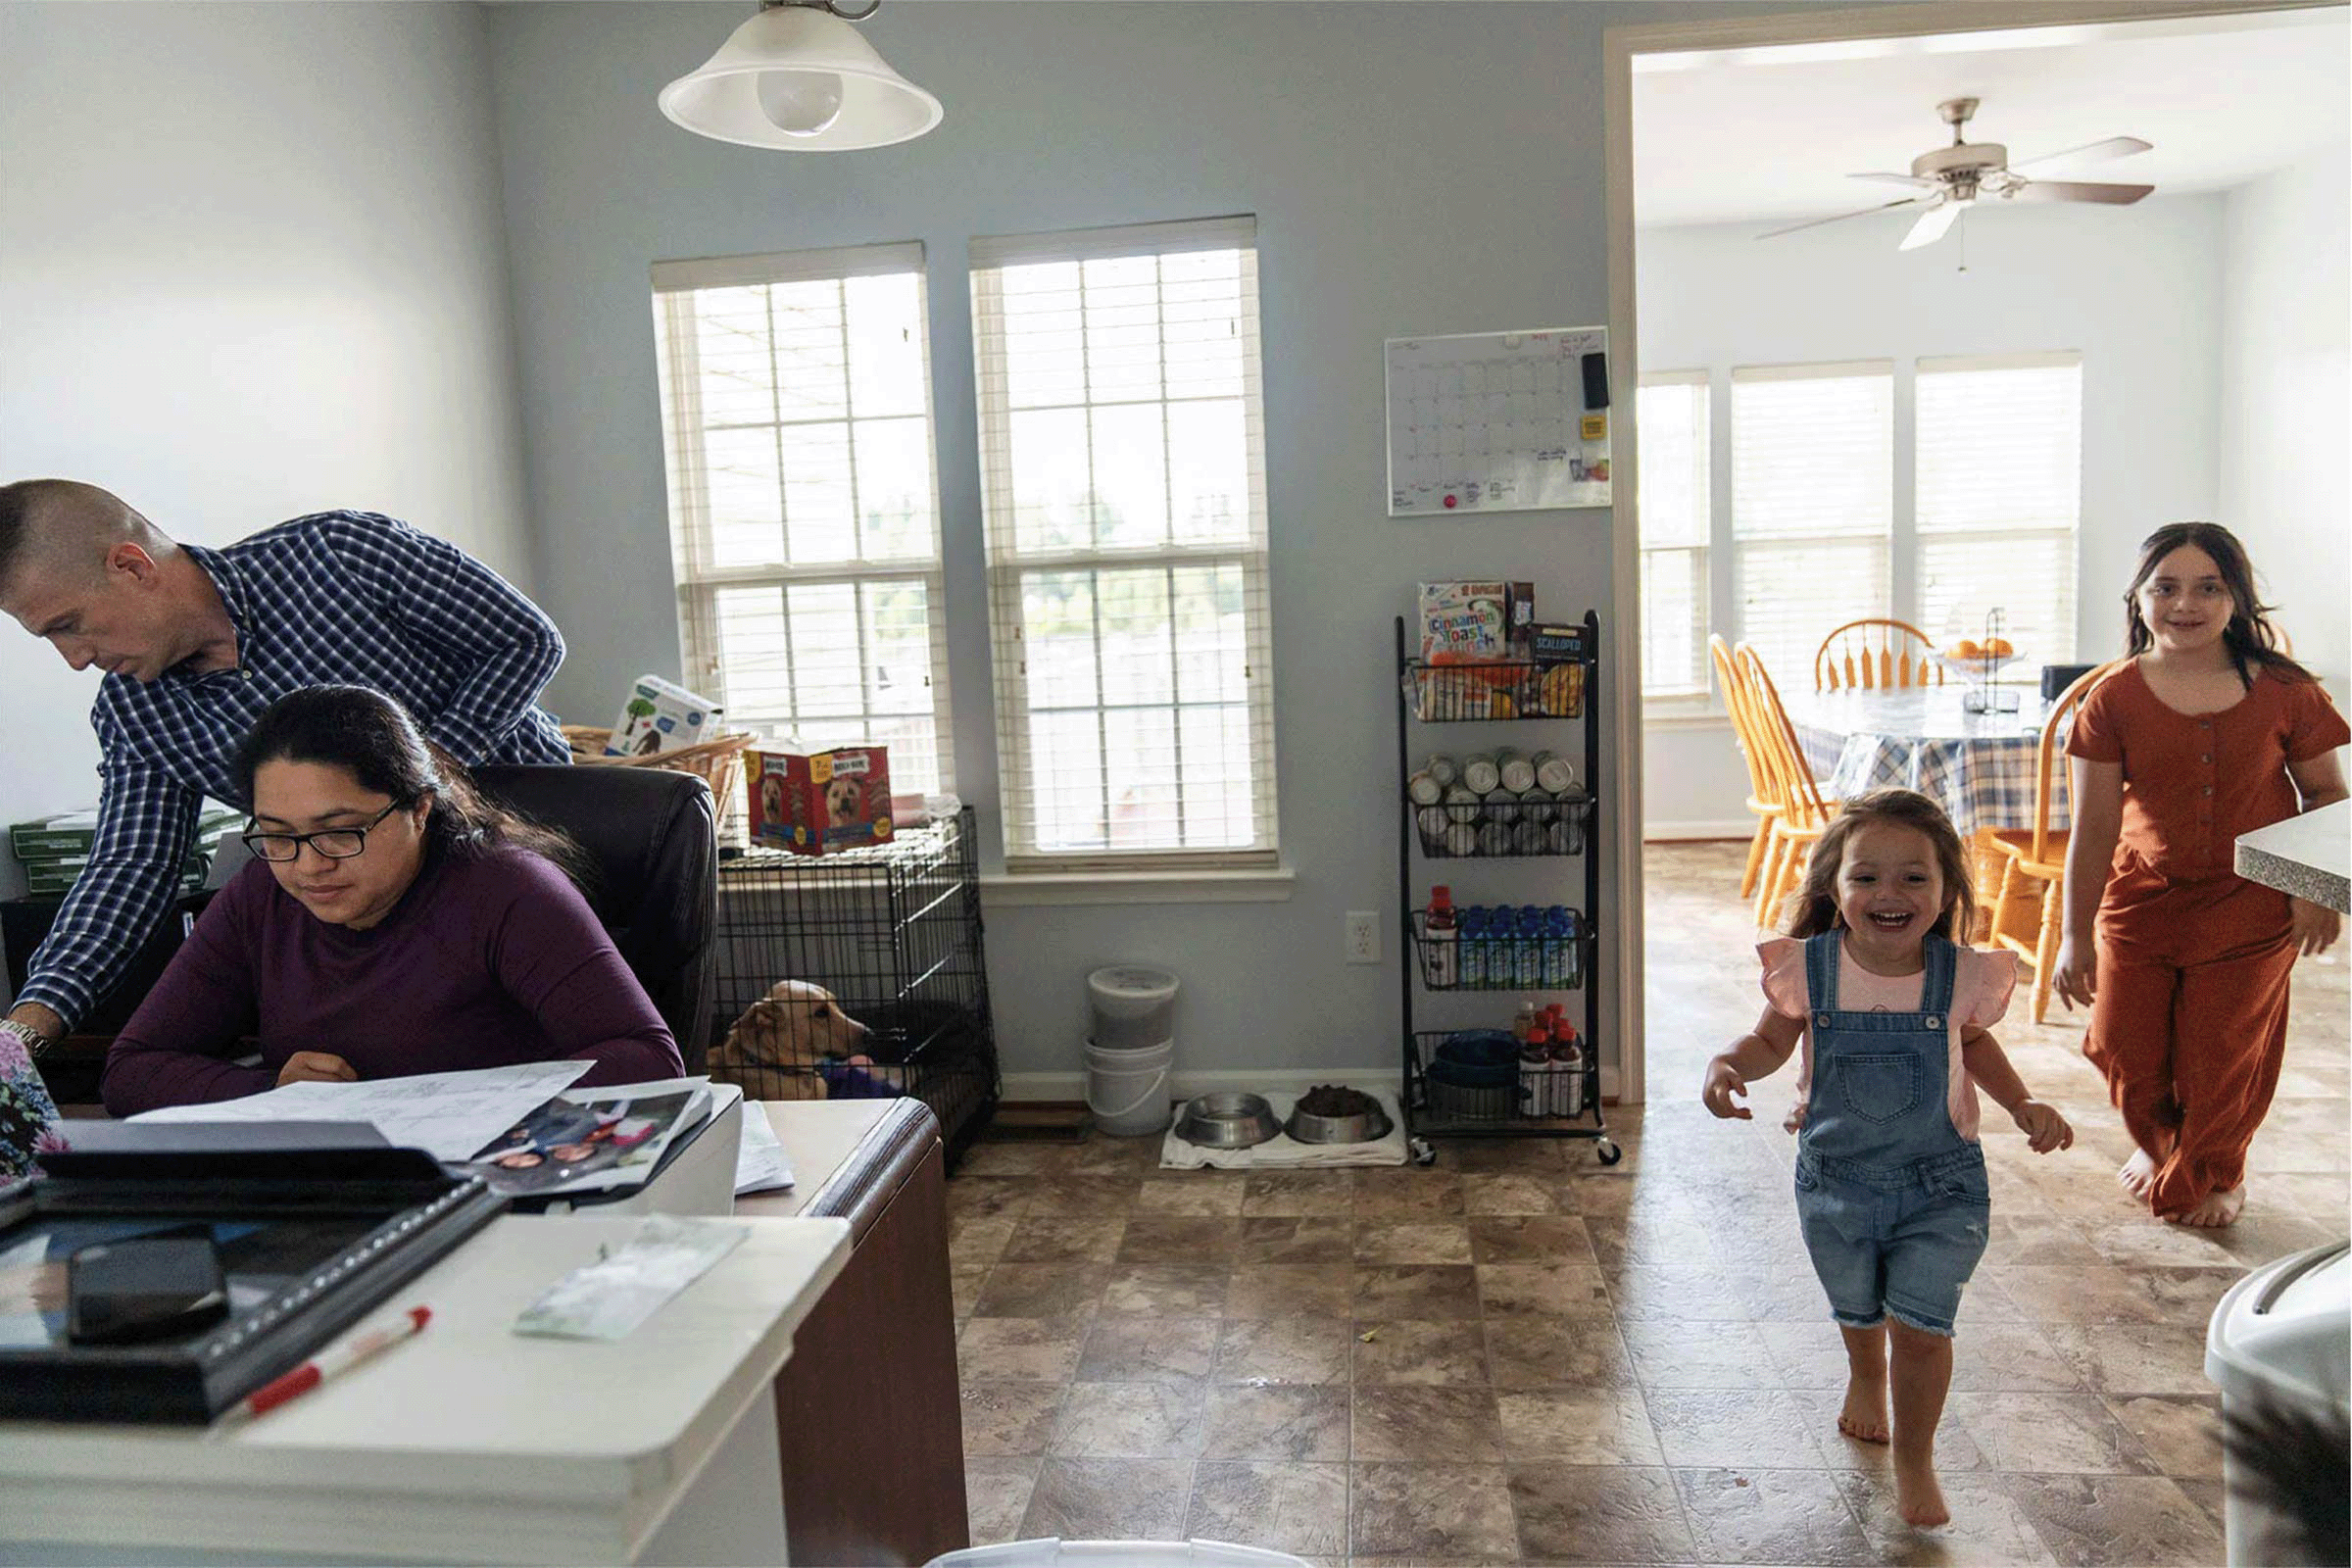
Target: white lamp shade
x=722, y=99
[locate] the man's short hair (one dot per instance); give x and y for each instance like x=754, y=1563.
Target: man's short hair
x=31, y=510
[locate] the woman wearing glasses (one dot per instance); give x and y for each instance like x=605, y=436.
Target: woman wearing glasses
x=394, y=922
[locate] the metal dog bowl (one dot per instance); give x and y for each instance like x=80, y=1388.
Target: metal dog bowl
x=1359, y=1129
x=1227, y=1121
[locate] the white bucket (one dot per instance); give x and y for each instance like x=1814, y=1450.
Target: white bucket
x=1128, y=1090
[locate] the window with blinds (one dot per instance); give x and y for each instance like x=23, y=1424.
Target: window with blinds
x=1122, y=447
x=1676, y=518
x=1812, y=503
x=803, y=498
x=2000, y=498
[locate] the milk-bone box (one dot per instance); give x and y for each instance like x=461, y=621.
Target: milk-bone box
x=822, y=803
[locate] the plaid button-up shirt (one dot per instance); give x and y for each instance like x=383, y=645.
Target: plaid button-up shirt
x=340, y=598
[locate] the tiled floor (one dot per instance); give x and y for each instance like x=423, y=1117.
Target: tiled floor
x=1519, y=1356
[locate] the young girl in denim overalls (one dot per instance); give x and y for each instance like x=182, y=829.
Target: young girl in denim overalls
x=1891, y=1189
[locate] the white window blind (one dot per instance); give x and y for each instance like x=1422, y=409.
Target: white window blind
x=1812, y=503
x=1122, y=447
x=1671, y=410
x=803, y=498
x=2000, y=498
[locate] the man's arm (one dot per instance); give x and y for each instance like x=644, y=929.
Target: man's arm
x=451, y=601
x=146, y=823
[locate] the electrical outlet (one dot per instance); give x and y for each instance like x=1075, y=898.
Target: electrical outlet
x=1363, y=936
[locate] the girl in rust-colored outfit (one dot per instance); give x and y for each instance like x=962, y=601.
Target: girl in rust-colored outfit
x=2209, y=731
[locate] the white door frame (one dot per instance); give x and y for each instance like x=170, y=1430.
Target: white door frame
x=1619, y=45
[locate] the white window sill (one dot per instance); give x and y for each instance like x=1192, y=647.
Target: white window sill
x=1038, y=890
x=1662, y=716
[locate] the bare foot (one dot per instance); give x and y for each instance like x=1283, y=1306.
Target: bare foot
x=1864, y=1417
x=2218, y=1209
x=1917, y=1497
x=2138, y=1174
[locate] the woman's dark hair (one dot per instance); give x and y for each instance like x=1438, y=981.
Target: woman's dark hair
x=1813, y=908
x=376, y=739
x=2252, y=640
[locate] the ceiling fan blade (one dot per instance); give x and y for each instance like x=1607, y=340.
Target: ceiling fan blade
x=2075, y=190
x=1919, y=180
x=1839, y=217
x=2091, y=152
x=1931, y=225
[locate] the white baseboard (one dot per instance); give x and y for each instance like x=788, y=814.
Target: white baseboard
x=1033, y=1086
x=1729, y=828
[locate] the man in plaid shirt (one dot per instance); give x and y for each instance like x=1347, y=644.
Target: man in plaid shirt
x=196, y=643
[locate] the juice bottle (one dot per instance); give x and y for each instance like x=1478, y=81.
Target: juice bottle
x=1441, y=941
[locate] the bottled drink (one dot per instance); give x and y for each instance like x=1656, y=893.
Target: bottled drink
x=1523, y=1023
x=1471, y=970
x=1568, y=1072
x=1441, y=941
x=1539, y=1078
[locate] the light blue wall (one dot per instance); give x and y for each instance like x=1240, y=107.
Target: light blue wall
x=1413, y=169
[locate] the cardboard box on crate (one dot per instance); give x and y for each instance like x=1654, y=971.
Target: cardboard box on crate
x=821, y=804
x=660, y=715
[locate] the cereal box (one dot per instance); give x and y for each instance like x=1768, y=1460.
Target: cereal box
x=660, y=715
x=816, y=805
x=1474, y=622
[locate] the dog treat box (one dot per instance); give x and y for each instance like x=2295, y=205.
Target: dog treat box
x=837, y=799
x=660, y=715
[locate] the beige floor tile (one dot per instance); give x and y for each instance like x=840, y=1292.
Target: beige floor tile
x=1162, y=1290
x=1284, y=1349
x=1653, y=1239
x=1988, y=1528
x=1585, y=1514
x=1190, y=1192
x=1295, y=1508
x=1776, y=1516
x=1709, y=1427
x=1780, y=1292
x=1083, y=1197
x=1042, y=1289
x=2015, y=1358
x=1063, y=1239
x=1807, y=1354
x=1533, y=1352
x=2183, y=1296
x=2080, y=1293
x=1419, y=1291
x=1710, y=1355
x=1103, y=1155
x=979, y=1238
x=1530, y=1238
x=2182, y=1434
x=985, y=1195
x=1098, y=1499
x=1128, y=1421
x=996, y=1494
x=1451, y=1355
x=1411, y=1241
x=1020, y=1350
x=1681, y=1294
x=2144, y=1521
x=1212, y=1241
x=2057, y=1433
x=2145, y=1242
x=965, y=1281
x=1149, y=1350
x=1430, y=1512
x=1282, y=1423
x=1511, y=1193
x=1291, y=1290
x=1956, y=1452
x=1286, y=1239
x=986, y=1159
x=1578, y=1426
x=1524, y=1156
x=2134, y=1357
x=1426, y=1426
x=1299, y=1193
x=1408, y=1191
x=1009, y=1419
x=1542, y=1290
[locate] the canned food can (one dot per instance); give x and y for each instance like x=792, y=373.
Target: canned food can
x=1481, y=773
x=1423, y=789
x=1553, y=772
x=1461, y=804
x=1442, y=770
x=1518, y=773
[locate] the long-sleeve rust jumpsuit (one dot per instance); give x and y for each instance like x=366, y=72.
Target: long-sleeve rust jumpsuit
x=2189, y=1024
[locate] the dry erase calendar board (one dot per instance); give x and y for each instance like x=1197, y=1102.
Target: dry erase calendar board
x=1498, y=421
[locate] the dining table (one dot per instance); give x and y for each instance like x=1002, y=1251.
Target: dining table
x=1978, y=767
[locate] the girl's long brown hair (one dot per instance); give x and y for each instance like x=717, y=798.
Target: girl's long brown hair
x=1813, y=908
x=2252, y=640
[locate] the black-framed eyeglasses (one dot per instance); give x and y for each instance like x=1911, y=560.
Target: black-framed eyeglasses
x=335, y=842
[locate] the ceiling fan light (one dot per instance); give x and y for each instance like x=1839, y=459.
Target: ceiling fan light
x=772, y=82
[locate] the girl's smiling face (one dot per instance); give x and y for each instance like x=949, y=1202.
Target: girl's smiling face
x=1890, y=893
x=2185, y=601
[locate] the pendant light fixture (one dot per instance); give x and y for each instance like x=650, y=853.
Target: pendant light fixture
x=798, y=77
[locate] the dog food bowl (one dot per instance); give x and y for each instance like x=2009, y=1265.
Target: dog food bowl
x=1227, y=1121
x=1364, y=1129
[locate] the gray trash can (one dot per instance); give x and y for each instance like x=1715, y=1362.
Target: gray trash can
x=2280, y=1338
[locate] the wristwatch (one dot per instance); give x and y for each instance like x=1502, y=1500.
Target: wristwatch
x=35, y=1042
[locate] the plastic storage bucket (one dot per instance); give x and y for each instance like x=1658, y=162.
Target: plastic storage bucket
x=2279, y=1341
x=1135, y=1005
x=1054, y=1553
x=1128, y=1090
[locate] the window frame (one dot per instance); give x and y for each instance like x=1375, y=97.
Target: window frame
x=1700, y=696
x=1008, y=563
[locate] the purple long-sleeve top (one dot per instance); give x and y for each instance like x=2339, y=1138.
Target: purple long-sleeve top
x=486, y=961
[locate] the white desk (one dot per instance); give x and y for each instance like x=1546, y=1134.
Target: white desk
x=468, y=1443
x=2306, y=855
x=818, y=1135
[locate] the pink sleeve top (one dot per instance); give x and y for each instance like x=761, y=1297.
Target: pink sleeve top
x=1981, y=986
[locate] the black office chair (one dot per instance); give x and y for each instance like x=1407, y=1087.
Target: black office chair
x=651, y=838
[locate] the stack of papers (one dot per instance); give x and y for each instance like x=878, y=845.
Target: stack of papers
x=450, y=1115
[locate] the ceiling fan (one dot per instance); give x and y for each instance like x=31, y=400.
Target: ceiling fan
x=1951, y=180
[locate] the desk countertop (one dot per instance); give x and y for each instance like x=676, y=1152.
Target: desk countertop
x=560, y=1450
x=2307, y=856
x=817, y=1136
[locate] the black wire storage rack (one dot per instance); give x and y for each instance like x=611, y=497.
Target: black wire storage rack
x=895, y=933
x=1487, y=1099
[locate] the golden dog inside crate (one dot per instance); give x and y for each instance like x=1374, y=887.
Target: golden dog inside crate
x=774, y=1049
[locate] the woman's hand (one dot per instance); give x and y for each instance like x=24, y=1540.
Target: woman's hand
x=2043, y=1127
x=2074, y=973
x=2314, y=926
x=315, y=1067
x=1723, y=1083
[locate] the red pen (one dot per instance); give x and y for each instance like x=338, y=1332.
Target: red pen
x=308, y=1376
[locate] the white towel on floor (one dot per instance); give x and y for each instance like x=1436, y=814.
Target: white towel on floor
x=1282, y=1152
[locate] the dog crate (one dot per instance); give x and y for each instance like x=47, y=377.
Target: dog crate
x=894, y=933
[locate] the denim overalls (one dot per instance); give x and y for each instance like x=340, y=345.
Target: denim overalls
x=1892, y=1199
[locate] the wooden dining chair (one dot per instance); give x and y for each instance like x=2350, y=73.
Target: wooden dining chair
x=2034, y=860
x=1763, y=800
x=1805, y=814
x=1874, y=654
